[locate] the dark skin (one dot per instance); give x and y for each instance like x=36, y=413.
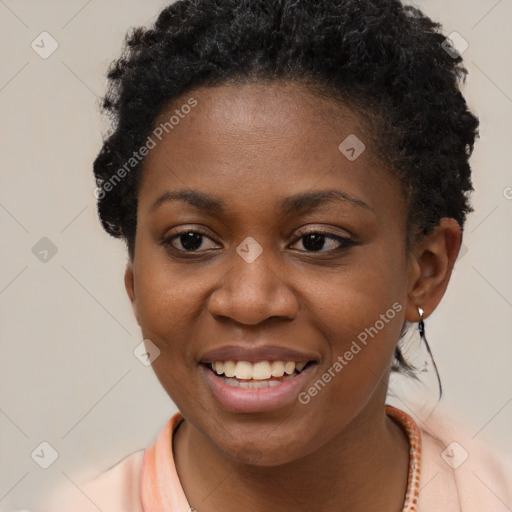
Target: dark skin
x=251, y=146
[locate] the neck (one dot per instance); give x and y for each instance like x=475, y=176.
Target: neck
x=363, y=468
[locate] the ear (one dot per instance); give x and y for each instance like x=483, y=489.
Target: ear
x=129, y=283
x=431, y=266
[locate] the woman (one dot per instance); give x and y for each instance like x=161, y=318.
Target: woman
x=291, y=179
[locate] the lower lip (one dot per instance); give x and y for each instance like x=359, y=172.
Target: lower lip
x=255, y=400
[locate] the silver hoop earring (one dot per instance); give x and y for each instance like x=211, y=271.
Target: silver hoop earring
x=421, y=323
x=421, y=328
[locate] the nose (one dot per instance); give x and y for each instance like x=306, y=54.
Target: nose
x=250, y=293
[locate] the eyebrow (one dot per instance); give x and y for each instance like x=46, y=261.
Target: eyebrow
x=291, y=204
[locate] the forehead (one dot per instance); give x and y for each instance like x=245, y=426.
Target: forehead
x=261, y=113
x=254, y=141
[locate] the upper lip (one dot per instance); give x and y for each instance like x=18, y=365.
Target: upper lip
x=254, y=354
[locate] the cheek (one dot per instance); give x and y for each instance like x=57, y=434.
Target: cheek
x=360, y=335
x=166, y=307
x=167, y=310
x=354, y=298
x=362, y=331
x=360, y=312
x=166, y=294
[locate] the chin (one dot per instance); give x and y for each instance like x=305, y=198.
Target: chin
x=262, y=453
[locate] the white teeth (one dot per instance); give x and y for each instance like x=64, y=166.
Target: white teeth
x=289, y=367
x=243, y=370
x=229, y=368
x=277, y=368
x=261, y=371
x=255, y=384
x=258, y=371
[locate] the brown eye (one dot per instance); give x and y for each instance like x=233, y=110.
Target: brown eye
x=316, y=241
x=187, y=241
x=190, y=241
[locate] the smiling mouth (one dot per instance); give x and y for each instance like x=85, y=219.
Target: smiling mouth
x=257, y=375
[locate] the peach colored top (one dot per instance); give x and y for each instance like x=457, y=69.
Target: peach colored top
x=448, y=472
x=158, y=469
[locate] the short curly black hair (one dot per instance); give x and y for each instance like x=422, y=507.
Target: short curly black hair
x=388, y=61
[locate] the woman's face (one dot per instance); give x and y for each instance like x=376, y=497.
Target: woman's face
x=280, y=270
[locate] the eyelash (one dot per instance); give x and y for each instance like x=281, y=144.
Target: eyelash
x=345, y=242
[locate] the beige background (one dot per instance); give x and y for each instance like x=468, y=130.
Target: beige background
x=67, y=371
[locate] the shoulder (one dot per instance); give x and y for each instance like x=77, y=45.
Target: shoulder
x=459, y=472
x=119, y=488
x=115, y=490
